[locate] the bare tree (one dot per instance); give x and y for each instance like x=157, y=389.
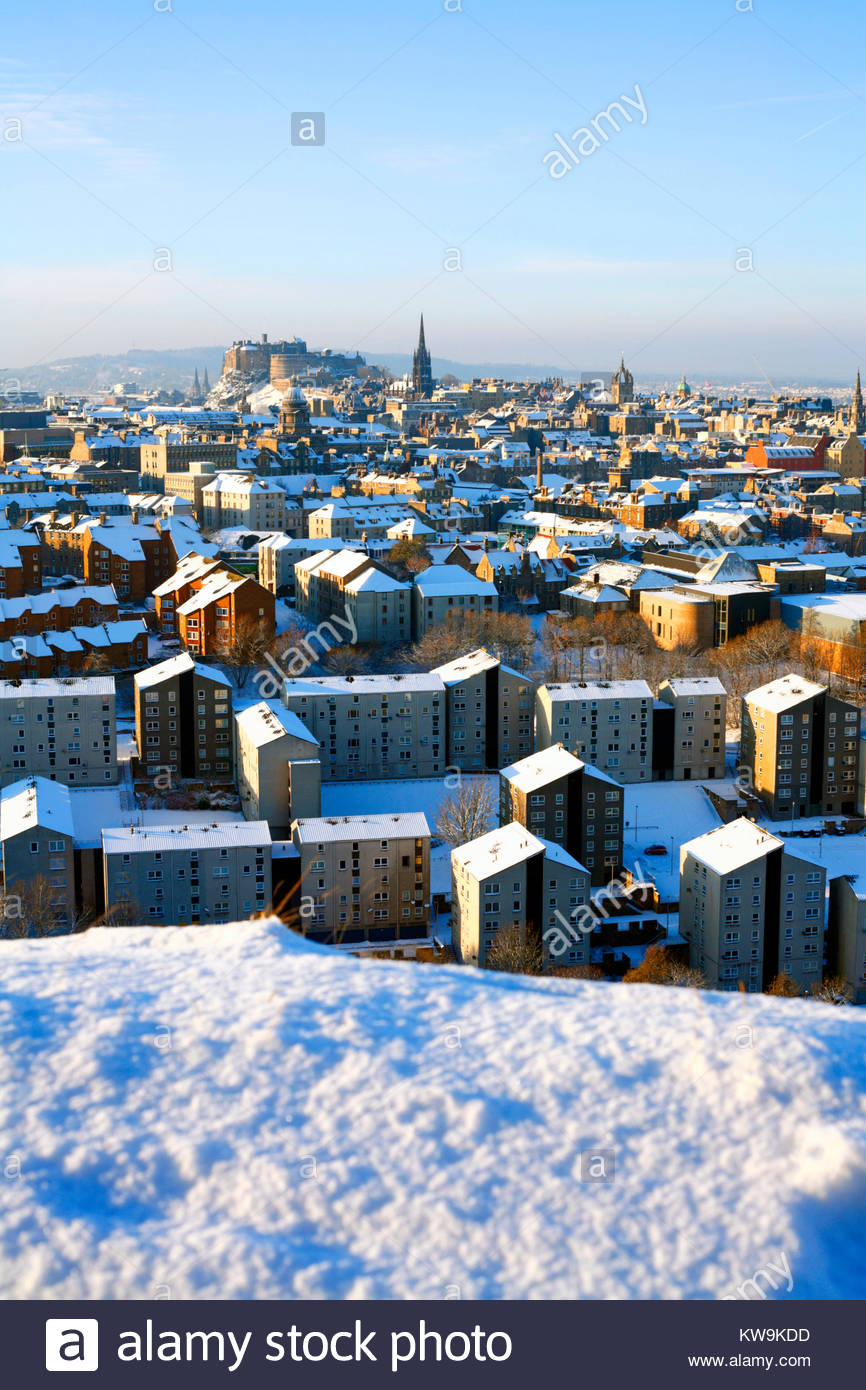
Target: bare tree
x=516, y=951
x=768, y=645
x=659, y=967
x=835, y=989
x=410, y=556
x=784, y=986
x=31, y=908
x=348, y=659
x=565, y=645
x=126, y=912
x=508, y=636
x=245, y=649
x=577, y=972
x=465, y=813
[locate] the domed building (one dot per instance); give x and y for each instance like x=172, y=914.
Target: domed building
x=294, y=413
x=683, y=390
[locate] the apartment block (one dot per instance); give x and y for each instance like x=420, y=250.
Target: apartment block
x=489, y=712
x=689, y=722
x=208, y=605
x=277, y=767
x=183, y=720
x=750, y=909
x=801, y=747
x=510, y=877
x=63, y=729
x=188, y=874
x=846, y=933
x=175, y=456
x=278, y=556
x=561, y=799
x=363, y=878
x=242, y=499
x=445, y=590
x=373, y=727
x=348, y=585
x=37, y=844
x=606, y=723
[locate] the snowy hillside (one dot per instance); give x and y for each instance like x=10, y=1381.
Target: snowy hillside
x=227, y=1112
x=229, y=390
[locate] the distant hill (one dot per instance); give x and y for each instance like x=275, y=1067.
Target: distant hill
x=146, y=368
x=174, y=368
x=400, y=362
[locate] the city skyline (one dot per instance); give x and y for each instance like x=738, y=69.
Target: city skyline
x=723, y=147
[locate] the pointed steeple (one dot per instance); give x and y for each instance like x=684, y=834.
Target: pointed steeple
x=857, y=418
x=206, y=383
x=422, y=372
x=196, y=387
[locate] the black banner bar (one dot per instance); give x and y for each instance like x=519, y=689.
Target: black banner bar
x=503, y=1345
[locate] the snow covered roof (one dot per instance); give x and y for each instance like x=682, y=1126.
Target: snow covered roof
x=375, y=580
x=191, y=567
x=426, y=682
x=538, y=769
x=164, y=670
x=217, y=585
x=499, y=849
x=851, y=607
x=404, y=825
x=596, y=593
x=784, y=693
x=452, y=579
x=266, y=723
x=134, y=839
x=35, y=801
x=464, y=667
x=57, y=687
x=695, y=685
x=599, y=690
x=730, y=846
x=176, y=666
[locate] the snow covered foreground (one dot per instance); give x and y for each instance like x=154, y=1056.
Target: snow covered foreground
x=228, y=1112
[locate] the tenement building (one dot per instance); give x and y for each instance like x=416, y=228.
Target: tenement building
x=606, y=723
x=63, y=729
x=559, y=798
x=278, y=771
x=188, y=874
x=750, y=909
x=488, y=712
x=183, y=720
x=800, y=748
x=510, y=878
x=689, y=722
x=363, y=878
x=371, y=727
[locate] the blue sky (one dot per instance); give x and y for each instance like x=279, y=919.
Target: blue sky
x=145, y=128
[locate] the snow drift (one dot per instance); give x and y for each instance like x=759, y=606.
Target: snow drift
x=227, y=1112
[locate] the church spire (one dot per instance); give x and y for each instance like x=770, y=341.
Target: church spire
x=422, y=372
x=205, y=386
x=857, y=418
x=196, y=387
